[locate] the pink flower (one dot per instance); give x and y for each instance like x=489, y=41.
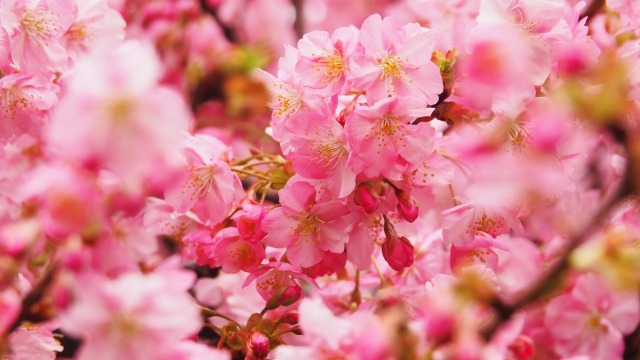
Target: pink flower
x=234, y=253
x=304, y=227
x=208, y=187
x=464, y=222
x=478, y=252
x=324, y=60
x=383, y=141
x=592, y=319
x=32, y=341
x=274, y=277
x=134, y=316
x=95, y=23
x=68, y=200
x=359, y=336
x=24, y=103
x=35, y=30
x=396, y=62
x=247, y=220
x=130, y=125
x=320, y=150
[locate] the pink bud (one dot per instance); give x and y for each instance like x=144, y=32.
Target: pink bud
x=291, y=317
x=522, y=348
x=407, y=206
x=259, y=344
x=398, y=252
x=366, y=198
x=292, y=294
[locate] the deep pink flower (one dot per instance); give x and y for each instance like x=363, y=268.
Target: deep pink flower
x=234, y=253
x=306, y=228
x=248, y=219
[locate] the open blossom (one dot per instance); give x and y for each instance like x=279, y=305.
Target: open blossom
x=276, y=277
x=35, y=29
x=130, y=125
x=327, y=336
x=234, y=253
x=24, y=104
x=396, y=61
x=464, y=222
x=208, y=187
x=134, y=316
x=324, y=60
x=320, y=150
x=95, y=23
x=592, y=319
x=383, y=140
x=306, y=228
x=31, y=341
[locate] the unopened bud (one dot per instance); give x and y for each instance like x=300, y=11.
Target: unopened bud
x=284, y=296
x=366, y=198
x=407, y=206
x=398, y=252
x=522, y=348
x=291, y=317
x=259, y=344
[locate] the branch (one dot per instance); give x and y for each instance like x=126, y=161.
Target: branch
x=592, y=9
x=229, y=32
x=298, y=24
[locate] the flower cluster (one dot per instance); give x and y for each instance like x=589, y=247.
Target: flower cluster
x=191, y=179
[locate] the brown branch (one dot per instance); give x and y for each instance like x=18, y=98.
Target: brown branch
x=33, y=298
x=228, y=31
x=298, y=24
x=592, y=9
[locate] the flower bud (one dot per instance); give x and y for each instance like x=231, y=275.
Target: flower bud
x=259, y=344
x=522, y=348
x=366, y=198
x=398, y=252
x=284, y=296
x=407, y=206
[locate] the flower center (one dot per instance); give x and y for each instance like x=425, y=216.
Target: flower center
x=201, y=180
x=328, y=152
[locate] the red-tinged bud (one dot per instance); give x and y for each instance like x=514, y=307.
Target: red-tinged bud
x=292, y=294
x=366, y=198
x=522, y=348
x=259, y=344
x=439, y=328
x=407, y=206
x=284, y=296
x=398, y=252
x=291, y=317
